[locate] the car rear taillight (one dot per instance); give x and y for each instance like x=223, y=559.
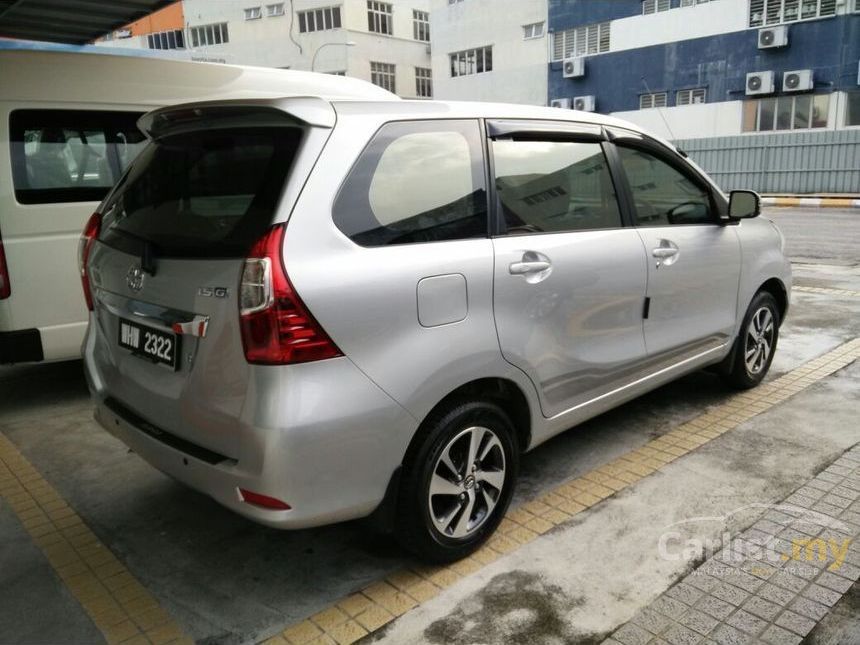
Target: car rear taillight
x=88, y=239
x=277, y=328
x=5, y=286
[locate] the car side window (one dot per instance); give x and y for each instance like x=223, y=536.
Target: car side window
x=417, y=181
x=662, y=194
x=554, y=186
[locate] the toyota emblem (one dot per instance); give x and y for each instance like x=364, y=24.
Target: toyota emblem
x=134, y=278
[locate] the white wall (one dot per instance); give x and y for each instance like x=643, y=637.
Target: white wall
x=689, y=121
x=273, y=42
x=519, y=66
x=682, y=23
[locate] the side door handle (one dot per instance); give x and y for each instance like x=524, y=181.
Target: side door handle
x=525, y=267
x=666, y=253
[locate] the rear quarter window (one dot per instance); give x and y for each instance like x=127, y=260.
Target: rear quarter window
x=417, y=181
x=61, y=156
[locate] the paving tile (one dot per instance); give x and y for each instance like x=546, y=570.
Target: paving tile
x=810, y=608
x=686, y=593
x=788, y=581
x=800, y=625
x=699, y=621
x=820, y=594
x=301, y=633
x=701, y=580
x=762, y=608
x=834, y=582
x=775, y=594
x=652, y=620
x=746, y=622
x=744, y=580
x=776, y=635
x=631, y=634
x=715, y=607
x=672, y=608
x=680, y=635
x=728, y=635
x=729, y=593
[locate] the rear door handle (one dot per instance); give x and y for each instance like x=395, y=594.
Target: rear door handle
x=666, y=253
x=523, y=268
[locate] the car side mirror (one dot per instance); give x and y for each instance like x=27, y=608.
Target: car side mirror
x=744, y=204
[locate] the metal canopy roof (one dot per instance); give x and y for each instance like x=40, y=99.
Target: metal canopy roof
x=70, y=21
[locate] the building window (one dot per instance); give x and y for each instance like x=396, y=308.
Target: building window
x=423, y=83
x=852, y=115
x=692, y=3
x=472, y=61
x=578, y=41
x=534, y=30
x=379, y=17
x=214, y=34
x=454, y=1
x=319, y=19
x=421, y=25
x=653, y=6
x=382, y=74
x=173, y=39
x=687, y=97
x=253, y=13
x=273, y=10
x=800, y=112
x=774, y=12
x=654, y=100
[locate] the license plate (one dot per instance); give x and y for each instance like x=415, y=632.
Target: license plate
x=154, y=344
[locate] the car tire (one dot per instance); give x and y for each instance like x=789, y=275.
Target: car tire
x=457, y=482
x=756, y=343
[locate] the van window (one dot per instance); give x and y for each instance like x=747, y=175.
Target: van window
x=417, y=181
x=70, y=155
x=554, y=186
x=205, y=193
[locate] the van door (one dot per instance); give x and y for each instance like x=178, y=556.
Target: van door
x=693, y=260
x=63, y=163
x=569, y=276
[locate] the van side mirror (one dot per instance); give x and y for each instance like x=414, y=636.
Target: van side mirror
x=744, y=204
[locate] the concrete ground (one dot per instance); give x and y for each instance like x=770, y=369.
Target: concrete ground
x=226, y=580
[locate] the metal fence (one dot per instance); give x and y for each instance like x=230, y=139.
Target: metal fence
x=826, y=161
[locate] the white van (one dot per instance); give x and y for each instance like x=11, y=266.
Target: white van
x=68, y=129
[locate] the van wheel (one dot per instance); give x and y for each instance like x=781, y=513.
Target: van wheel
x=756, y=343
x=457, y=481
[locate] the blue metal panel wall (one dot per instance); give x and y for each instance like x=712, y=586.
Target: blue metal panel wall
x=720, y=63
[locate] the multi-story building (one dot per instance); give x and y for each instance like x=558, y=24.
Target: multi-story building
x=387, y=43
x=490, y=50
x=708, y=68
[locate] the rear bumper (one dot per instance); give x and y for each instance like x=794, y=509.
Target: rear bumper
x=326, y=441
x=22, y=346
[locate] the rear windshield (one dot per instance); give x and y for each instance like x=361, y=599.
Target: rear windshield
x=206, y=193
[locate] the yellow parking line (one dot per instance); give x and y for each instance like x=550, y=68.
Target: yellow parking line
x=120, y=606
x=371, y=608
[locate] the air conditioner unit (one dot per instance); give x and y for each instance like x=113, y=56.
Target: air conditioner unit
x=560, y=103
x=573, y=67
x=799, y=80
x=759, y=83
x=583, y=103
x=771, y=37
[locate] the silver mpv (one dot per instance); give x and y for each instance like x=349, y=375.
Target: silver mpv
x=316, y=310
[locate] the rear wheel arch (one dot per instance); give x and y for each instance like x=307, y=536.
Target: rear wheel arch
x=501, y=391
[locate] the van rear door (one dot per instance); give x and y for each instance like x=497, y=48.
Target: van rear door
x=165, y=335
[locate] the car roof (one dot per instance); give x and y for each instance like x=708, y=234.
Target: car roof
x=477, y=110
